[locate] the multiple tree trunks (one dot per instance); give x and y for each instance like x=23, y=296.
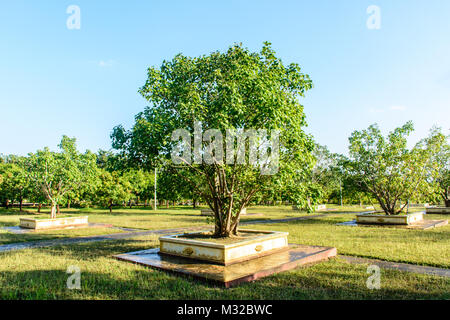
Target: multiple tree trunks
x=447, y=203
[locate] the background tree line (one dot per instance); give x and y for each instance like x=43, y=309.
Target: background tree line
x=379, y=170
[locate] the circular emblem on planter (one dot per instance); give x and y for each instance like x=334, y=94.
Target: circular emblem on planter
x=380, y=220
x=258, y=248
x=188, y=251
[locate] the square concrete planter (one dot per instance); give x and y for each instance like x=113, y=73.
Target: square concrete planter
x=437, y=210
x=209, y=212
x=261, y=244
x=58, y=223
x=384, y=219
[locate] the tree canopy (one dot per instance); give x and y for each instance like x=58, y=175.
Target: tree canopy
x=57, y=173
x=235, y=90
x=387, y=168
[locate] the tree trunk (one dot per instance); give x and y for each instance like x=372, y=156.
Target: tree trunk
x=229, y=226
x=21, y=204
x=39, y=207
x=447, y=203
x=110, y=206
x=53, y=211
x=167, y=203
x=57, y=209
x=68, y=204
x=7, y=204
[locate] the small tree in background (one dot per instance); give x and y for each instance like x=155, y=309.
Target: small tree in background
x=57, y=173
x=440, y=171
x=111, y=188
x=138, y=182
x=387, y=169
x=15, y=184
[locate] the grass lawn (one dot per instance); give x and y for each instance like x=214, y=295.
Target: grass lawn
x=147, y=219
x=137, y=218
x=7, y=237
x=426, y=247
x=40, y=273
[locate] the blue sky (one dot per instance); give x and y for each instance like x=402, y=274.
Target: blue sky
x=81, y=83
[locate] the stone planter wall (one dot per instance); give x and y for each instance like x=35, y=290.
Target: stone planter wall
x=269, y=242
x=437, y=210
x=385, y=219
x=42, y=224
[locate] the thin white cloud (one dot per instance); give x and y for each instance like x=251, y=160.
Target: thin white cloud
x=398, y=108
x=106, y=63
x=375, y=110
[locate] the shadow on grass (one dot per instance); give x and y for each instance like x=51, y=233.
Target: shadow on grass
x=104, y=277
x=9, y=223
x=16, y=212
x=127, y=281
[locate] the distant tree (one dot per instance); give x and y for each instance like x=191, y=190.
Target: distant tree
x=57, y=173
x=111, y=188
x=316, y=183
x=440, y=171
x=37, y=196
x=305, y=195
x=327, y=171
x=172, y=188
x=235, y=90
x=352, y=192
x=138, y=181
x=15, y=185
x=111, y=161
x=387, y=169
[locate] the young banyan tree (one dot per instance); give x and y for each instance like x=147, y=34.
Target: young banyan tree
x=228, y=123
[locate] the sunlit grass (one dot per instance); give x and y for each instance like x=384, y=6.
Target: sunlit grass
x=427, y=247
x=8, y=237
x=41, y=274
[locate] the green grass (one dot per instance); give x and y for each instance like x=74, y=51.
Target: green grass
x=136, y=218
x=41, y=274
x=425, y=247
x=7, y=237
x=147, y=219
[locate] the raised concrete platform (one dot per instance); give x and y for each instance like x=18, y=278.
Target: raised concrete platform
x=408, y=219
x=419, y=225
x=437, y=210
x=233, y=274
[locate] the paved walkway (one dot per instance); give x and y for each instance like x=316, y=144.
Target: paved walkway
x=399, y=266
